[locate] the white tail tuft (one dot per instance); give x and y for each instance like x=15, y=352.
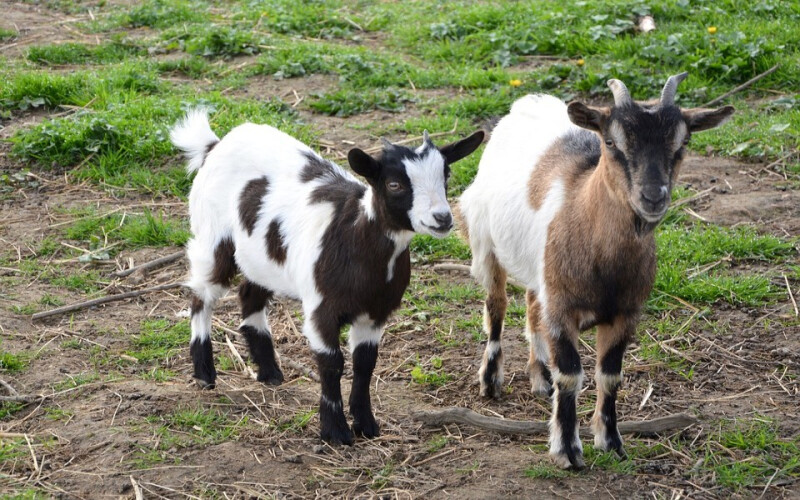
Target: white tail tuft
x=194, y=136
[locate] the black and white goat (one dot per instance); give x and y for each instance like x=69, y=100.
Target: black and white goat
x=565, y=200
x=297, y=225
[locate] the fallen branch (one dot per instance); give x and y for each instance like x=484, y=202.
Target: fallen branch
x=466, y=416
x=161, y=261
x=465, y=269
x=741, y=87
x=20, y=398
x=103, y=300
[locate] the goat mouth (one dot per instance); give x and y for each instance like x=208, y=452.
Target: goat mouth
x=438, y=231
x=652, y=217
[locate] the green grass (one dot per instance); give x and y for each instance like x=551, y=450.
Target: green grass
x=297, y=422
x=433, y=377
x=132, y=230
x=160, y=340
x=195, y=426
x=7, y=34
x=10, y=362
x=78, y=53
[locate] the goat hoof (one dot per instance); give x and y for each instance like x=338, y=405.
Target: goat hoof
x=336, y=436
x=271, y=377
x=568, y=461
x=204, y=384
x=492, y=391
x=367, y=428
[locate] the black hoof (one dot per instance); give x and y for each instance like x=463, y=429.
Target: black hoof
x=366, y=427
x=204, y=384
x=337, y=436
x=271, y=377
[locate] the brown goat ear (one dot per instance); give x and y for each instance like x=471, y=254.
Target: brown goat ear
x=363, y=164
x=460, y=149
x=703, y=119
x=587, y=117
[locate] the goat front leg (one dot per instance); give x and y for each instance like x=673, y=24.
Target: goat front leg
x=322, y=333
x=565, y=443
x=255, y=330
x=612, y=340
x=490, y=373
x=364, y=338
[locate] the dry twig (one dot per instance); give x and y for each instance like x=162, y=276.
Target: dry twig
x=103, y=300
x=161, y=261
x=741, y=87
x=466, y=416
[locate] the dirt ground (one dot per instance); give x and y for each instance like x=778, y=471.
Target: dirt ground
x=85, y=441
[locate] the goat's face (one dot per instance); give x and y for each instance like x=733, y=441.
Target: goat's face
x=644, y=143
x=410, y=186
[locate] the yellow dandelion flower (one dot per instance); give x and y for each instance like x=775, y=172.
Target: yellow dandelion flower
x=712, y=30
x=580, y=62
x=515, y=83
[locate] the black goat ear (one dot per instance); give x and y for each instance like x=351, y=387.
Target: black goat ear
x=460, y=149
x=587, y=117
x=363, y=164
x=703, y=119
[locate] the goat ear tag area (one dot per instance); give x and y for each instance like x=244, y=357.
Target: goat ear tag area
x=587, y=117
x=363, y=164
x=463, y=148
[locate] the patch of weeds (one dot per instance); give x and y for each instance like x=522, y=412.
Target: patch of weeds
x=26, y=310
x=47, y=246
x=427, y=248
x=12, y=449
x=381, y=478
x=608, y=461
x=51, y=300
x=693, y=261
x=78, y=53
x=146, y=459
x=86, y=282
x=72, y=344
x=8, y=408
x=546, y=470
x=135, y=231
x=193, y=67
x=196, y=426
x=12, y=363
x=753, y=454
x=225, y=362
x=435, y=377
x=160, y=339
x=348, y=102
x=222, y=41
x=437, y=442
x=475, y=466
x=162, y=14
x=78, y=380
x=7, y=34
x=158, y=374
x=296, y=423
x=58, y=413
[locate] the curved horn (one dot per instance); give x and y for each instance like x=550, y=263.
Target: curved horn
x=668, y=93
x=386, y=143
x=426, y=139
x=620, y=91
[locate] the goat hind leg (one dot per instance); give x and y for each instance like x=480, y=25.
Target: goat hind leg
x=537, y=368
x=255, y=330
x=490, y=373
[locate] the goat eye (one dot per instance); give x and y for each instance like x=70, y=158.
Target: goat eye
x=609, y=143
x=395, y=187
x=686, y=140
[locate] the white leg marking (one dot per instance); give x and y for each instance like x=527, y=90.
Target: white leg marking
x=364, y=330
x=258, y=320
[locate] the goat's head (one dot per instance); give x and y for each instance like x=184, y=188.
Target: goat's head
x=410, y=185
x=644, y=143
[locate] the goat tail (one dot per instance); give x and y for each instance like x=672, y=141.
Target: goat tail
x=194, y=136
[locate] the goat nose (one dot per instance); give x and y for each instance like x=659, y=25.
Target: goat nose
x=654, y=194
x=445, y=219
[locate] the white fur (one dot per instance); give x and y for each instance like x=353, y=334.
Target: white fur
x=496, y=206
x=194, y=135
x=364, y=331
x=430, y=197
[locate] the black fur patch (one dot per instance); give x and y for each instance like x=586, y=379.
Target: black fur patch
x=316, y=168
x=250, y=202
x=567, y=359
x=197, y=305
x=224, y=264
x=209, y=148
x=262, y=352
x=253, y=298
x=609, y=417
x=276, y=248
x=567, y=417
x=492, y=365
x=203, y=359
x=611, y=364
x=364, y=358
x=333, y=425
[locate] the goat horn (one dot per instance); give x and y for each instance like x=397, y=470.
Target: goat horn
x=668, y=94
x=426, y=139
x=620, y=91
x=386, y=143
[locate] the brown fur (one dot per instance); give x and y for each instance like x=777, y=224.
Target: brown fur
x=496, y=300
x=224, y=265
